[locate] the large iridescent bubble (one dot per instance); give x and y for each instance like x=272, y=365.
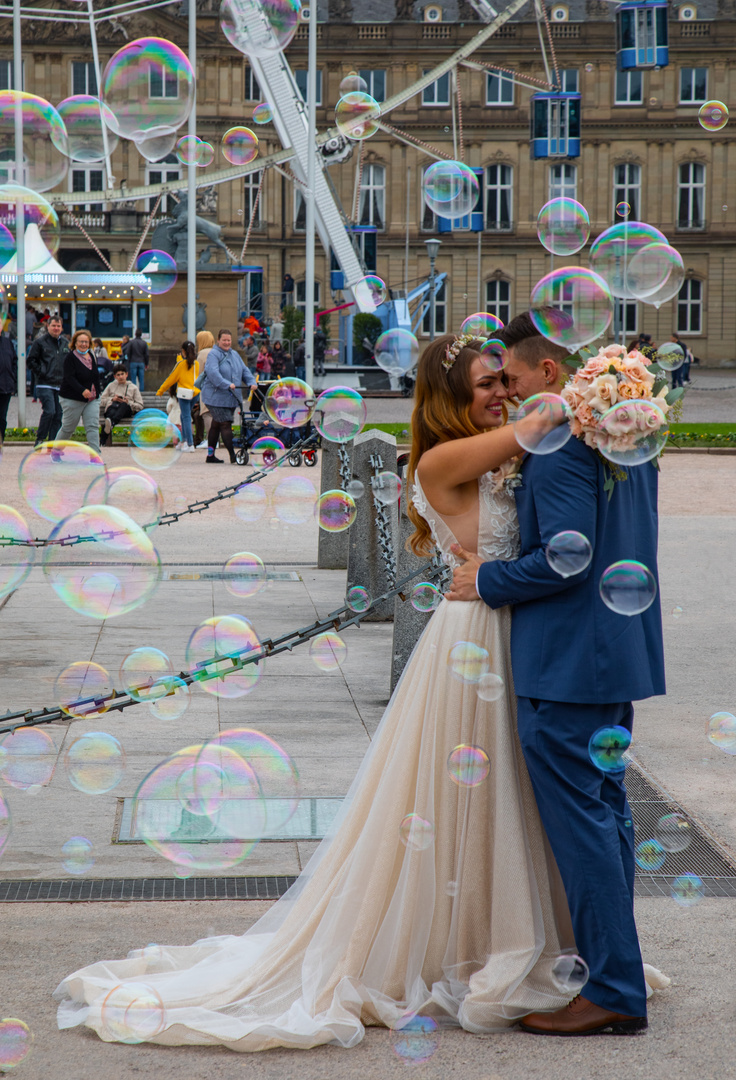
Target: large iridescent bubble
x=396, y=351
x=45, y=142
x=357, y=115
x=339, y=414
x=239, y=145
x=613, y=251
x=131, y=490
x=156, y=147
x=289, y=403
x=563, y=226
x=656, y=273
x=160, y=269
x=211, y=650
x=16, y=559
x=571, y=306
x=259, y=27
x=54, y=477
x=450, y=189
x=85, y=128
x=148, y=87
x=40, y=220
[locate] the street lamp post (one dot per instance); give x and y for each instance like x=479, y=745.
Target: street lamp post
x=433, y=247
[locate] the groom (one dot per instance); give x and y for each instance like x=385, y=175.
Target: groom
x=577, y=667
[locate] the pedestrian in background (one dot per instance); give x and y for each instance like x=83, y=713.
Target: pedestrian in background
x=182, y=377
x=79, y=392
x=104, y=363
x=46, y=358
x=684, y=371
x=300, y=360
x=225, y=374
x=137, y=359
x=8, y=379
x=201, y=414
x=251, y=352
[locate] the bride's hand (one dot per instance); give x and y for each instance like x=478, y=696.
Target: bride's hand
x=463, y=578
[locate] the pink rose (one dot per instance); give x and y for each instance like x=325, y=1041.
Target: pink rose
x=649, y=417
x=639, y=357
x=584, y=414
x=637, y=371
x=595, y=367
x=614, y=350
x=621, y=421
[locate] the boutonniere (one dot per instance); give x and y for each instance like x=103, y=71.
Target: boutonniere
x=507, y=477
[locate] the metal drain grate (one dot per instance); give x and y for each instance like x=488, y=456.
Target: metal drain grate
x=109, y=889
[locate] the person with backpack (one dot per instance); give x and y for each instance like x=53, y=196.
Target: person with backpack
x=137, y=359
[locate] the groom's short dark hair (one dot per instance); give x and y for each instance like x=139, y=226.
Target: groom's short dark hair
x=528, y=344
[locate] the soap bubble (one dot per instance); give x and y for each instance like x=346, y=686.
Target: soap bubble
x=148, y=87
x=131, y=490
x=16, y=560
x=259, y=28
x=211, y=647
x=638, y=432
x=649, y=855
x=262, y=113
x=721, y=731
x=396, y=351
x=356, y=115
x=82, y=117
x=132, y=1013
x=249, y=502
x=570, y=973
x=540, y=425
x=674, y=832
x=112, y=573
x=569, y=553
x=187, y=149
x=450, y=189
x=27, y=760
x=16, y=1040
x=468, y=662
x=676, y=612
x=144, y=673
x=425, y=596
x=416, y=833
x=656, y=273
x=563, y=226
x=77, y=855
x=174, y=701
x=490, y=687
x=205, y=154
x=45, y=142
x=289, y=403
x=155, y=459
x=339, y=413
x=244, y=574
x=357, y=598
x=328, y=651
x=151, y=429
x=468, y=766
x=159, y=268
x=386, y=488
x=494, y=355
x=180, y=503
x=352, y=84
x=613, y=251
x=269, y=448
x=688, y=890
x=239, y=145
x=607, y=748
x=670, y=356
x=628, y=587
x=335, y=511
x=415, y=1039
x=370, y=292
x=215, y=776
x=95, y=763
x=571, y=306
x=355, y=488
x=623, y=209
x=713, y=115
x=294, y=499
x=84, y=689
x=156, y=147
x=276, y=773
x=483, y=325
x=55, y=476
x=40, y=220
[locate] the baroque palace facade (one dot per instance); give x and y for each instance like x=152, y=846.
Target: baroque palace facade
x=640, y=143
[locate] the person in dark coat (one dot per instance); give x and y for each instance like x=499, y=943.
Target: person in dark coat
x=46, y=361
x=136, y=357
x=8, y=379
x=80, y=391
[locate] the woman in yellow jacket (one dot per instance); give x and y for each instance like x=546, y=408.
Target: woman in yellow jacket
x=184, y=374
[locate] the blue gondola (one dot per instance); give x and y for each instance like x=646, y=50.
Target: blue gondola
x=555, y=125
x=642, y=36
x=472, y=222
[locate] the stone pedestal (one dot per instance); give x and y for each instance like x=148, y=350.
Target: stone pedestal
x=408, y=622
x=332, y=551
x=365, y=562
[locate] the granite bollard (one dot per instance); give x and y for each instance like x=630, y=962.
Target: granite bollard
x=366, y=566
x=332, y=549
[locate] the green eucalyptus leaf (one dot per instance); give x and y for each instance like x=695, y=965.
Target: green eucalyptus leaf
x=675, y=395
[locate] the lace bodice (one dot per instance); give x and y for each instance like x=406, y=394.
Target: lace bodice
x=498, y=526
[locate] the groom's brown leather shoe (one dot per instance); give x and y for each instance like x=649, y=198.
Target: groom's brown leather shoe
x=582, y=1017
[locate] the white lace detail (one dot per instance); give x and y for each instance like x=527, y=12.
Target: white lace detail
x=498, y=526
x=441, y=533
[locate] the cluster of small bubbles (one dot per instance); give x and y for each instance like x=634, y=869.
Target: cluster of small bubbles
x=143, y=673
x=688, y=890
x=352, y=84
x=674, y=832
x=357, y=598
x=655, y=274
x=676, y=612
x=16, y=560
x=623, y=209
x=27, y=760
x=570, y=973
x=355, y=488
x=628, y=587
x=244, y=574
x=415, y=1039
x=468, y=766
x=540, y=424
x=339, y=413
x=563, y=226
x=638, y=431
x=328, y=651
x=416, y=833
x=293, y=500
x=482, y=325
x=649, y=855
x=607, y=748
x=85, y=128
x=5, y=820
x=396, y=351
x=16, y=1040
x=84, y=689
x=494, y=355
x=250, y=502
x=450, y=189
x=160, y=269
x=55, y=476
x=335, y=510
x=187, y=149
x=721, y=732
x=357, y=115
x=45, y=141
x=174, y=702
x=588, y=306
x=210, y=651
x=136, y=89
x=386, y=488
x=239, y=145
x=490, y=687
x=370, y=292
x=262, y=113
x=132, y=1013
x=258, y=28
x=39, y=219
x=95, y=763
x=76, y=855
x=612, y=253
x=569, y=553
x=713, y=115
x=669, y=356
x=290, y=403
x=468, y=662
x=425, y=597
x=126, y=565
x=269, y=449
x=131, y=490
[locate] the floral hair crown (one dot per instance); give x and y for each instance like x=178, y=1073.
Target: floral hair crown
x=453, y=351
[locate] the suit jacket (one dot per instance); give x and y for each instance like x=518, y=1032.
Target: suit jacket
x=566, y=644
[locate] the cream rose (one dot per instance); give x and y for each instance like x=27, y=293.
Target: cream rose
x=603, y=393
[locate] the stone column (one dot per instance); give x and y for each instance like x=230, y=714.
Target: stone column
x=408, y=623
x=365, y=562
x=332, y=550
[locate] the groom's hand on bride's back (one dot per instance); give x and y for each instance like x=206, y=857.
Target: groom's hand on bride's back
x=464, y=577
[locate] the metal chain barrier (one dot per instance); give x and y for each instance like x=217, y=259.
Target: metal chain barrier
x=382, y=523
x=345, y=472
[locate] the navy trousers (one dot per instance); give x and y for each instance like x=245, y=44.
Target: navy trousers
x=587, y=819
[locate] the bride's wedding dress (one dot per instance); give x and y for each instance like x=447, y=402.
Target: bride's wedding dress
x=465, y=929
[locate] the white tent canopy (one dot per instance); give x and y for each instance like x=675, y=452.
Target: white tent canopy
x=39, y=259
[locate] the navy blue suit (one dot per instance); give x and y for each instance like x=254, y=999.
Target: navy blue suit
x=577, y=667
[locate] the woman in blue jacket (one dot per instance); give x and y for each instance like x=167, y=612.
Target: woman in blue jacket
x=225, y=373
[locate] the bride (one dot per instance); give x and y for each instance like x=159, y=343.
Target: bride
x=429, y=896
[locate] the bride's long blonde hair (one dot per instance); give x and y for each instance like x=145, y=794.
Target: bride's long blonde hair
x=442, y=401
